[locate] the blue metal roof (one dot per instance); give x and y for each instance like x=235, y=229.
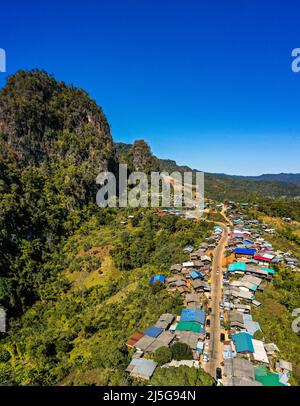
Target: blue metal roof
x=157, y=278
x=153, y=331
x=195, y=275
x=244, y=251
x=243, y=342
x=196, y=315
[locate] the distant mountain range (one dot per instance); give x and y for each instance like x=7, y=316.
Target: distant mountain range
x=221, y=186
x=280, y=177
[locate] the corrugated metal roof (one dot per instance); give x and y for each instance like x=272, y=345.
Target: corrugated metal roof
x=243, y=342
x=190, y=326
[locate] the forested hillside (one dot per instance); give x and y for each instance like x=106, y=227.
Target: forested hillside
x=74, y=278
x=53, y=142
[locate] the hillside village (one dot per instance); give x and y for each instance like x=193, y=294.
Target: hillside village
x=238, y=355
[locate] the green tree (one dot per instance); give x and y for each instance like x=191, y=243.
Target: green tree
x=162, y=355
x=181, y=351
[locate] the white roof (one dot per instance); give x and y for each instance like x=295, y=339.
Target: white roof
x=259, y=354
x=205, y=258
x=188, y=264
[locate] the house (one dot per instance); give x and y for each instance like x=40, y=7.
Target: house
x=236, y=319
x=164, y=340
x=271, y=349
x=242, y=295
x=190, y=326
x=153, y=331
x=189, y=338
x=134, y=339
x=176, y=281
x=250, y=326
x=192, y=298
x=283, y=366
x=196, y=275
x=188, y=249
x=183, y=290
x=264, y=257
x=244, y=252
x=2, y=320
x=265, y=377
x=193, y=315
x=141, y=368
x=243, y=343
x=197, y=285
x=144, y=343
x=157, y=278
x=206, y=259
x=176, y=268
x=237, y=266
x=254, y=280
x=259, y=354
x=258, y=272
x=242, y=308
x=165, y=320
x=239, y=372
x=188, y=264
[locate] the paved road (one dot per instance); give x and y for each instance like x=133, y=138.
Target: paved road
x=215, y=345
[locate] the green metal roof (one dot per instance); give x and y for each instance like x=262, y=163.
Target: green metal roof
x=265, y=377
x=190, y=326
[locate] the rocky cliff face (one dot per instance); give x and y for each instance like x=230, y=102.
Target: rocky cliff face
x=42, y=119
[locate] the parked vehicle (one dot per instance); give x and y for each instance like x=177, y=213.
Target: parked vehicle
x=207, y=336
x=222, y=336
x=218, y=373
x=208, y=322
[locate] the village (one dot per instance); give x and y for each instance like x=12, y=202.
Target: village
x=218, y=286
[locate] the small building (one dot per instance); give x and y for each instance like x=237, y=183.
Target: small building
x=195, y=275
x=237, y=266
x=157, y=278
x=188, y=249
x=141, y=368
x=265, y=377
x=190, y=326
x=189, y=338
x=244, y=252
x=165, y=320
x=236, y=319
x=192, y=298
x=243, y=343
x=134, y=339
x=259, y=354
x=271, y=349
x=176, y=268
x=193, y=315
x=283, y=366
x=153, y=331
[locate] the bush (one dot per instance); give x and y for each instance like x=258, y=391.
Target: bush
x=162, y=355
x=181, y=351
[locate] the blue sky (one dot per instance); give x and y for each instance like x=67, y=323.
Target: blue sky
x=207, y=83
